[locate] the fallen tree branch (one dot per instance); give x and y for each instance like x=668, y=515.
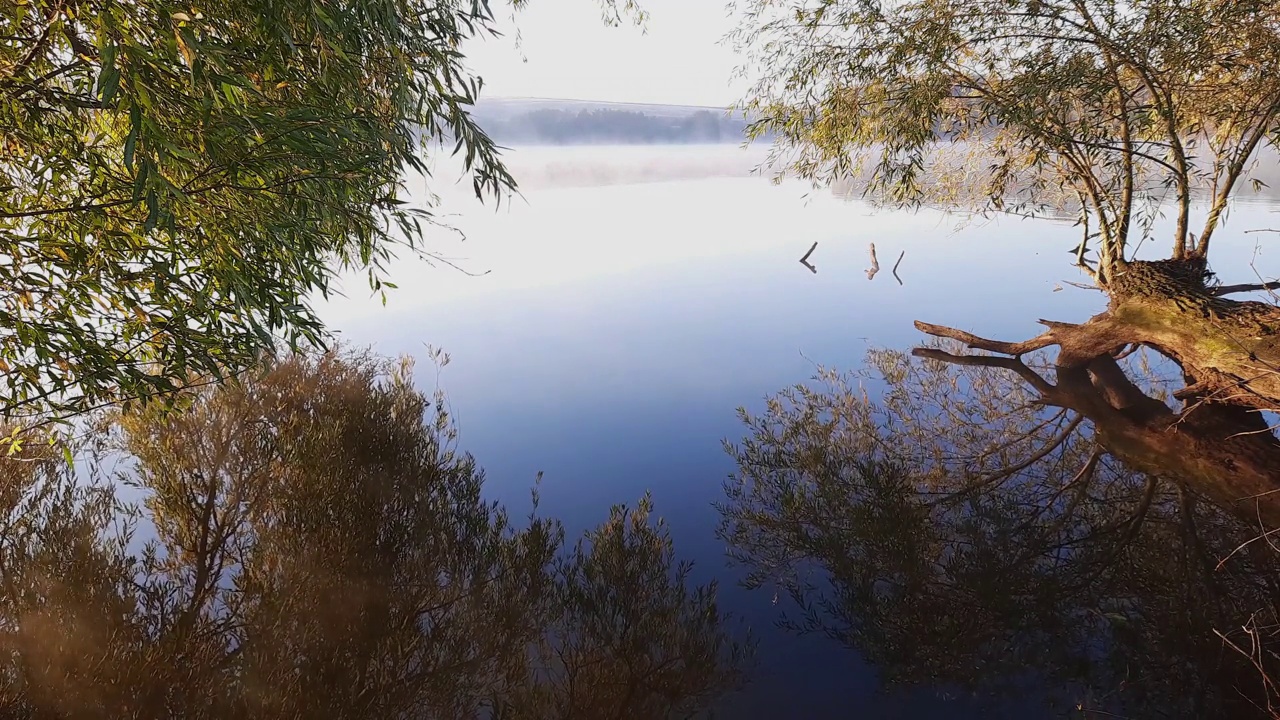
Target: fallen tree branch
x=875, y=264
x=1007, y=348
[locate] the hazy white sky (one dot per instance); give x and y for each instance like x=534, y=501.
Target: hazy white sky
x=570, y=53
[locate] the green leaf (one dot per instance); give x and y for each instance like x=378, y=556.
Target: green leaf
x=140, y=181
x=259, y=158
x=108, y=59
x=108, y=83
x=153, y=211
x=130, y=143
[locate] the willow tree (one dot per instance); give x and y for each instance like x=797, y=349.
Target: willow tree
x=1109, y=111
x=176, y=180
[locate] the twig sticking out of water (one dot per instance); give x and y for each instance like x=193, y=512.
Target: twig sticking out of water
x=805, y=260
x=875, y=264
x=895, y=267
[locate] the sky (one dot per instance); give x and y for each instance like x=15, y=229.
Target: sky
x=565, y=51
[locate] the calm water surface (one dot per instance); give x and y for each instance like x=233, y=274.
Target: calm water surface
x=634, y=298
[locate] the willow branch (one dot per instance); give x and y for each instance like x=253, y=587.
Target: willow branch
x=1126, y=138
x=1233, y=175
x=38, y=46
x=1164, y=107
x=1054, y=443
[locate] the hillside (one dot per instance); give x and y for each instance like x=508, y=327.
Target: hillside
x=540, y=121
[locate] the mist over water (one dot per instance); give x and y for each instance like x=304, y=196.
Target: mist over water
x=543, y=167
x=533, y=122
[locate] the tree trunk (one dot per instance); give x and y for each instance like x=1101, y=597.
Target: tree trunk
x=1218, y=445
x=1224, y=452
x=1229, y=350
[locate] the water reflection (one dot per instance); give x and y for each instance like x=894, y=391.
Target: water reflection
x=620, y=327
x=311, y=545
x=1063, y=539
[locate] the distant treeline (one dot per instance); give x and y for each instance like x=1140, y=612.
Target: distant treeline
x=566, y=127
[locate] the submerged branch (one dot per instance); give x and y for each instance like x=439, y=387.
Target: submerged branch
x=1032, y=377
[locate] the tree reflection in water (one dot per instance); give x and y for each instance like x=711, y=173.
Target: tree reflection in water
x=319, y=549
x=976, y=526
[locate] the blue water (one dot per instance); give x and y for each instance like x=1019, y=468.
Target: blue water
x=620, y=327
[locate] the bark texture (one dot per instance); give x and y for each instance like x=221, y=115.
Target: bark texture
x=1217, y=445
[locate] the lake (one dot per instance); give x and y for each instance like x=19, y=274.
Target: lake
x=632, y=299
